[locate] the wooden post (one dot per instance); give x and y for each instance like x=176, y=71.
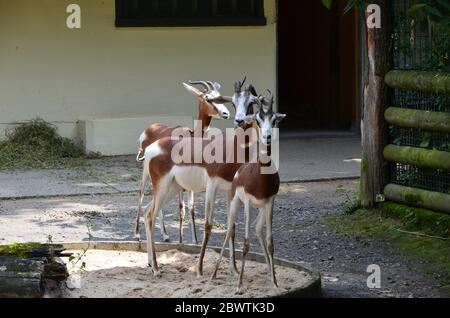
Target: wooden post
x=421, y=119
x=429, y=158
x=373, y=167
x=436, y=201
x=419, y=81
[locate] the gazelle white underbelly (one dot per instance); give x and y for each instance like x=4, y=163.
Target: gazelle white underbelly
x=222, y=184
x=254, y=202
x=191, y=178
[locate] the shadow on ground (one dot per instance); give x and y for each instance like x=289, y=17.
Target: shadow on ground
x=299, y=232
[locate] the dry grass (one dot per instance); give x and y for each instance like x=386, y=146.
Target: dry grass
x=37, y=144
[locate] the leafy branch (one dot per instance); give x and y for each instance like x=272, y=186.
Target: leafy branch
x=349, y=5
x=77, y=258
x=430, y=14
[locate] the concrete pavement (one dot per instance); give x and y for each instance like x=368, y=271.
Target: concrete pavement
x=303, y=157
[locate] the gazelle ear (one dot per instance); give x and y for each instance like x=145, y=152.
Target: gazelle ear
x=217, y=86
x=279, y=117
x=269, y=100
x=251, y=89
x=193, y=90
x=264, y=101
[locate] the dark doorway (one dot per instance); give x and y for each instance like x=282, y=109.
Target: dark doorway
x=317, y=65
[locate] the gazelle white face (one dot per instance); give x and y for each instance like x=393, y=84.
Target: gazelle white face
x=222, y=111
x=210, y=92
x=242, y=102
x=266, y=120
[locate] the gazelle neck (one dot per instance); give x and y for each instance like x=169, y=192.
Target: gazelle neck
x=265, y=155
x=264, y=151
x=204, y=121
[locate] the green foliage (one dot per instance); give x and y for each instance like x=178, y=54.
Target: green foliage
x=418, y=220
x=37, y=144
x=19, y=250
x=441, y=102
x=438, y=57
x=413, y=232
x=349, y=5
x=77, y=258
x=425, y=140
x=408, y=177
x=351, y=201
x=431, y=13
x=434, y=54
x=424, y=12
x=397, y=137
x=432, y=16
x=327, y=3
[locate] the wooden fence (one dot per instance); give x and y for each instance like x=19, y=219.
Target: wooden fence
x=431, y=121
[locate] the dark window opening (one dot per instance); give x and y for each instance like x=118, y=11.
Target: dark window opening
x=147, y=13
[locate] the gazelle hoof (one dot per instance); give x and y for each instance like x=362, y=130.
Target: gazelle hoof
x=240, y=290
x=137, y=237
x=166, y=239
x=156, y=273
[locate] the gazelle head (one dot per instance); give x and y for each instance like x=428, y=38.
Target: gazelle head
x=209, y=97
x=242, y=101
x=266, y=119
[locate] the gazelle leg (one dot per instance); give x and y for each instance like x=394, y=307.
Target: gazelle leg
x=137, y=233
x=232, y=268
x=150, y=217
x=246, y=243
x=234, y=208
x=160, y=198
x=260, y=221
x=163, y=228
x=192, y=214
x=269, y=241
x=182, y=214
x=211, y=190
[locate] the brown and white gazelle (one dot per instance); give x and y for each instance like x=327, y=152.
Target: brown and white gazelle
x=169, y=177
x=206, y=111
x=256, y=185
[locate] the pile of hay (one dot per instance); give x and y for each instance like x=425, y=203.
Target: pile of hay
x=37, y=144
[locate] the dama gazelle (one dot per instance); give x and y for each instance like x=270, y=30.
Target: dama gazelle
x=169, y=176
x=206, y=111
x=255, y=185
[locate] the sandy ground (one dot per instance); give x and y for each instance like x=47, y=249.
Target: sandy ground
x=125, y=274
x=300, y=235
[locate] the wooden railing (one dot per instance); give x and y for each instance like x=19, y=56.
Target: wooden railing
x=420, y=119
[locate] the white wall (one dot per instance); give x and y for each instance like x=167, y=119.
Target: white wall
x=100, y=71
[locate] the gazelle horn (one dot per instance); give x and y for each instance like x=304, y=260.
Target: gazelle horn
x=203, y=83
x=238, y=85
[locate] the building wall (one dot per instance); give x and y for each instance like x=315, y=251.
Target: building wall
x=103, y=72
